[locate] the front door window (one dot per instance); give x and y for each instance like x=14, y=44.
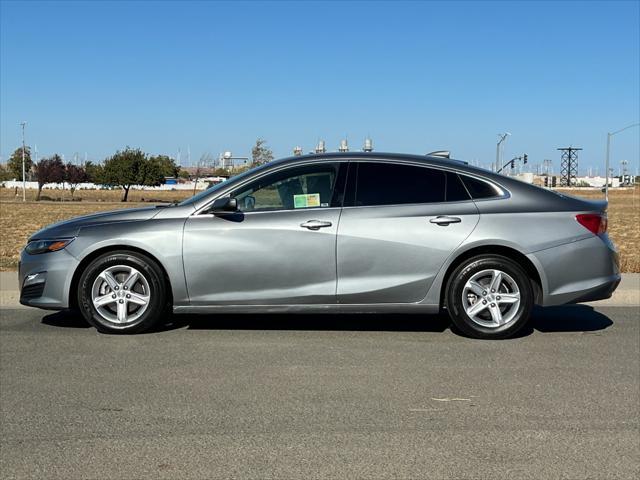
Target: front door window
x=292, y=189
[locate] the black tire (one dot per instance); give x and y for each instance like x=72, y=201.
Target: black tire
x=518, y=316
x=154, y=282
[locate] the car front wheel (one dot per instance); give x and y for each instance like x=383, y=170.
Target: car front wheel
x=489, y=297
x=122, y=292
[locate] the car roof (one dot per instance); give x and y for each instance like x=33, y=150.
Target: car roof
x=429, y=159
x=505, y=182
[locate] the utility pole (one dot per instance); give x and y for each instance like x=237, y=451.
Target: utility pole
x=24, y=182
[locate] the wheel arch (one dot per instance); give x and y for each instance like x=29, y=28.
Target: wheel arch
x=504, y=251
x=75, y=280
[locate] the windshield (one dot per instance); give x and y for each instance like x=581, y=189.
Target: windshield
x=219, y=186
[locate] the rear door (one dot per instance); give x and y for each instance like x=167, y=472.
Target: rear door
x=399, y=224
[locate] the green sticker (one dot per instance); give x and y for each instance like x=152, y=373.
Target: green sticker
x=299, y=201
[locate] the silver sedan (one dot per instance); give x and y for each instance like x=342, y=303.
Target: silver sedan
x=343, y=232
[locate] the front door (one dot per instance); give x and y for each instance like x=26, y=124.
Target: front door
x=399, y=225
x=278, y=248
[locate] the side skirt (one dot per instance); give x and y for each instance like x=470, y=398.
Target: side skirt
x=330, y=308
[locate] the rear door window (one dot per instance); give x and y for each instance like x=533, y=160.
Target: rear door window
x=397, y=184
x=455, y=189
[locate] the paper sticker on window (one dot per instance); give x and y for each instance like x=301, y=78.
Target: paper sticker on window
x=313, y=200
x=306, y=200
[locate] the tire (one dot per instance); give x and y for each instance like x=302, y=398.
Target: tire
x=479, y=311
x=122, y=292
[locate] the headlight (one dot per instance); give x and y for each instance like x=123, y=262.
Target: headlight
x=44, y=246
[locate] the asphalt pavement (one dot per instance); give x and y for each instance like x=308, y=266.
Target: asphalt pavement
x=304, y=396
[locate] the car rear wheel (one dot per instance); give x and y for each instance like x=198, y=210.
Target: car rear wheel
x=122, y=292
x=489, y=296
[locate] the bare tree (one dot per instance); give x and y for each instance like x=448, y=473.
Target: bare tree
x=205, y=160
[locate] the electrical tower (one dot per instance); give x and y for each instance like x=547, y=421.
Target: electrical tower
x=568, y=166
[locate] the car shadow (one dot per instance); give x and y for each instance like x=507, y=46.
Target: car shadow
x=65, y=319
x=572, y=318
x=569, y=318
x=321, y=322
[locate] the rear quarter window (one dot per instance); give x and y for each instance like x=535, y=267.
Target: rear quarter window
x=479, y=188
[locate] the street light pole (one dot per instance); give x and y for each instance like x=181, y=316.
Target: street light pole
x=606, y=166
x=503, y=137
x=606, y=169
x=24, y=185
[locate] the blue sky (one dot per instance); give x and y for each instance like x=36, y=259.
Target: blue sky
x=417, y=76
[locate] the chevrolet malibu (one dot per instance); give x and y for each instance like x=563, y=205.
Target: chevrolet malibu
x=339, y=232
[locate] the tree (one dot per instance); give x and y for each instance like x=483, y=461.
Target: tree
x=49, y=170
x=74, y=175
x=260, y=153
x=5, y=173
x=221, y=172
x=166, y=165
x=94, y=172
x=14, y=164
x=131, y=167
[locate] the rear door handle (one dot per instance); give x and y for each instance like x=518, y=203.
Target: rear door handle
x=444, y=220
x=315, y=224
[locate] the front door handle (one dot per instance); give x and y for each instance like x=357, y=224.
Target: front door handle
x=315, y=224
x=444, y=220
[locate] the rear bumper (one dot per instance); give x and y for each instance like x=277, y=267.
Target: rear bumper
x=601, y=292
x=582, y=271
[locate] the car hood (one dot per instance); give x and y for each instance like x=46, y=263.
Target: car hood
x=70, y=228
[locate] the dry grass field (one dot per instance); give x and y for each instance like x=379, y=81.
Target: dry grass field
x=18, y=220
x=624, y=222
x=9, y=195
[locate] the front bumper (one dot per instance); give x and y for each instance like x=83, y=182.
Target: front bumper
x=44, y=280
x=582, y=271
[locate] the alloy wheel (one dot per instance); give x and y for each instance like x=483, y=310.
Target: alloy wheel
x=120, y=294
x=491, y=298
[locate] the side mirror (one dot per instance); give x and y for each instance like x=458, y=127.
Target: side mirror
x=224, y=205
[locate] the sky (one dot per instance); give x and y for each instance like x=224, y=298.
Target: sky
x=90, y=78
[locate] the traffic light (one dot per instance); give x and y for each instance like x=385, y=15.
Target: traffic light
x=525, y=159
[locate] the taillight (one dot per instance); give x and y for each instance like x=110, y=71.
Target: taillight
x=595, y=223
